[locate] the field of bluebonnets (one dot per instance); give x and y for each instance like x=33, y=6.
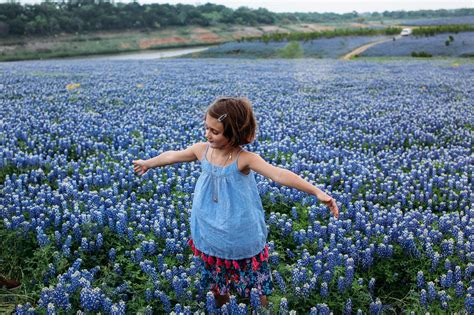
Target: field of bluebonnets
x=392, y=142
x=317, y=48
x=440, y=21
x=461, y=45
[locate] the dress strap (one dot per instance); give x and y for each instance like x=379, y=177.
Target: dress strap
x=205, y=152
x=237, y=157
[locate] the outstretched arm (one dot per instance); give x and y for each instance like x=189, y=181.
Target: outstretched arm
x=169, y=157
x=290, y=179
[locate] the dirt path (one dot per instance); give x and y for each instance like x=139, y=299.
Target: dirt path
x=363, y=48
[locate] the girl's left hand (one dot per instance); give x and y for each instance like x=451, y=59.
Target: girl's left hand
x=330, y=202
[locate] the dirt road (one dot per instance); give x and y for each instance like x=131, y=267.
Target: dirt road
x=363, y=48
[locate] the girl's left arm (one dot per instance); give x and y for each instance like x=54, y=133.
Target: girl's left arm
x=288, y=178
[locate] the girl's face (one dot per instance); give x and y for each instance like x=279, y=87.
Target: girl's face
x=215, y=133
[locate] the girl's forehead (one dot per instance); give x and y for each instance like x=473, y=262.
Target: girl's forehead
x=213, y=123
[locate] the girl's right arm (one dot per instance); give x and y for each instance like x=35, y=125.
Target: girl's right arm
x=169, y=157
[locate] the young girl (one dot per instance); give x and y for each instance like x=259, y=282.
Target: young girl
x=228, y=226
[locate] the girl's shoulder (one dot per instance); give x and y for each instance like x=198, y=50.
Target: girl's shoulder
x=199, y=149
x=244, y=161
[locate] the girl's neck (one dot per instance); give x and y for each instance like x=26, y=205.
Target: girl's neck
x=225, y=151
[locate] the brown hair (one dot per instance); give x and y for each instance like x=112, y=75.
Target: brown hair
x=239, y=123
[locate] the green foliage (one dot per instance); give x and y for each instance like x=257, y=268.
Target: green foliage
x=307, y=36
x=49, y=18
x=291, y=50
x=421, y=54
x=433, y=30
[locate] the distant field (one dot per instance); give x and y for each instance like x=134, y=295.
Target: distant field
x=320, y=48
x=441, y=21
x=461, y=46
x=69, y=45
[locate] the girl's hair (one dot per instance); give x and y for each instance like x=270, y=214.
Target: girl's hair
x=236, y=114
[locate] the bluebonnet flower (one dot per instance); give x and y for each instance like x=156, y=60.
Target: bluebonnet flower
x=255, y=299
x=51, y=310
x=324, y=292
x=469, y=303
x=91, y=299
x=435, y=261
x=423, y=298
x=420, y=280
x=242, y=309
x=112, y=254
x=367, y=258
x=178, y=308
x=457, y=274
x=26, y=309
x=432, y=294
x=323, y=309
x=117, y=269
x=294, y=213
x=459, y=290
x=443, y=298
x=118, y=308
x=447, y=264
x=372, y=286
x=376, y=307
x=348, y=307
x=233, y=306
x=283, y=306
x=164, y=300
x=210, y=303
x=84, y=244
x=42, y=238
x=99, y=241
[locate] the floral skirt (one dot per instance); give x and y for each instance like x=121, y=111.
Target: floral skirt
x=220, y=275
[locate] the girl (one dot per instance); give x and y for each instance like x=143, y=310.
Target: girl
x=228, y=226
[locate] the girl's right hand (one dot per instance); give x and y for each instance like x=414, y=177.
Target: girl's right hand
x=330, y=202
x=140, y=167
x=332, y=205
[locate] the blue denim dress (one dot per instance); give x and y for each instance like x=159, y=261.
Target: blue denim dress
x=227, y=217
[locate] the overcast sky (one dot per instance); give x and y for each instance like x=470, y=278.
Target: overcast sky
x=337, y=6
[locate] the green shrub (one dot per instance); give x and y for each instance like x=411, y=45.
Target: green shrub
x=421, y=54
x=291, y=50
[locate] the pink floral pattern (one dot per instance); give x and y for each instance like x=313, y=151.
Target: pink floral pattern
x=221, y=275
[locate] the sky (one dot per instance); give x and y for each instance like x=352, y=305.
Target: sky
x=336, y=6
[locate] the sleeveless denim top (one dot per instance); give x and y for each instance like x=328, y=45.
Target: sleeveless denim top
x=227, y=216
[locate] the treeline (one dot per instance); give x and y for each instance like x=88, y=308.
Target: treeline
x=433, y=30
x=306, y=36
x=49, y=18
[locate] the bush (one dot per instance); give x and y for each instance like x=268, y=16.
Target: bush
x=421, y=54
x=291, y=50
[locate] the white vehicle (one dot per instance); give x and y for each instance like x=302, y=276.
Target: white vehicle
x=406, y=32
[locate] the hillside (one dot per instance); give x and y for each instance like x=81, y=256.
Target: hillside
x=68, y=45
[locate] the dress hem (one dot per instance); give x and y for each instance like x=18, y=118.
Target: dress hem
x=228, y=263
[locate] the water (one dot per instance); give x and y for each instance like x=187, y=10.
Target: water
x=149, y=54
